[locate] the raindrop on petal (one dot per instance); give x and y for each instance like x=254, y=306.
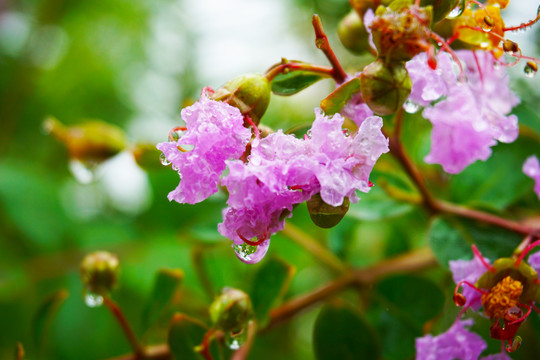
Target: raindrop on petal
x=164, y=160
x=410, y=106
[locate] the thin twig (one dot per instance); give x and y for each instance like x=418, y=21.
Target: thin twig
x=313, y=247
x=322, y=43
x=414, y=261
x=126, y=327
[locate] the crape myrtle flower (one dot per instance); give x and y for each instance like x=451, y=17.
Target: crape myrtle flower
x=456, y=343
x=531, y=168
x=508, y=290
x=471, y=115
x=283, y=171
x=214, y=133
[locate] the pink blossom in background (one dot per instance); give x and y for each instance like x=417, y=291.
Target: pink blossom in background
x=468, y=118
x=531, y=168
x=456, y=343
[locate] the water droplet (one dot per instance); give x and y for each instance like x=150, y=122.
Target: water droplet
x=164, y=160
x=234, y=341
x=309, y=133
x=93, y=300
x=346, y=132
x=496, y=65
x=410, y=106
x=245, y=251
x=530, y=69
x=83, y=172
x=488, y=24
x=174, y=136
x=457, y=11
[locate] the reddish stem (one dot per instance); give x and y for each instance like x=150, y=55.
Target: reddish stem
x=526, y=251
x=525, y=25
x=295, y=66
x=529, y=308
x=205, y=346
x=322, y=43
x=456, y=291
x=255, y=128
x=481, y=258
x=252, y=243
x=126, y=327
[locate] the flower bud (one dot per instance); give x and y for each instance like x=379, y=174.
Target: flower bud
x=231, y=311
x=441, y=8
x=385, y=87
x=99, y=272
x=91, y=141
x=401, y=33
x=324, y=215
x=249, y=93
x=353, y=33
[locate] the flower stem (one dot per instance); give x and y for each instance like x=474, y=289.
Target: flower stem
x=286, y=66
x=126, y=327
x=413, y=261
x=313, y=247
x=322, y=43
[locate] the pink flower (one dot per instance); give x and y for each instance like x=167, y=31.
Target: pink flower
x=472, y=116
x=283, y=171
x=531, y=168
x=456, y=343
x=215, y=133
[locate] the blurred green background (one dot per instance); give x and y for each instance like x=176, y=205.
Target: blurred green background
x=135, y=64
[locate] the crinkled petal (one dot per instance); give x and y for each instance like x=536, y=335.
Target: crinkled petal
x=456, y=343
x=215, y=133
x=531, y=168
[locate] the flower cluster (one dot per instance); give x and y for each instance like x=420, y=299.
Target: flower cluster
x=472, y=115
x=280, y=171
x=501, y=290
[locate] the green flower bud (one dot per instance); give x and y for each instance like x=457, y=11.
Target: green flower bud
x=441, y=8
x=324, y=215
x=91, y=141
x=353, y=33
x=99, y=272
x=249, y=93
x=385, y=87
x=231, y=311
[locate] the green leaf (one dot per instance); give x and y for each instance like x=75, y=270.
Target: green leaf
x=337, y=99
x=340, y=333
x=397, y=337
x=185, y=334
x=269, y=285
x=413, y=299
x=44, y=316
x=451, y=239
x=498, y=182
x=166, y=285
x=293, y=82
x=377, y=205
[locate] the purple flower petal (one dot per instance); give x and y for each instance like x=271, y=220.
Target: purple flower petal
x=456, y=343
x=215, y=133
x=531, y=168
x=469, y=270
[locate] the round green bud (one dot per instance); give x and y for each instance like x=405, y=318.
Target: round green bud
x=249, y=93
x=353, y=33
x=385, y=86
x=441, y=8
x=90, y=141
x=324, y=215
x=99, y=272
x=231, y=311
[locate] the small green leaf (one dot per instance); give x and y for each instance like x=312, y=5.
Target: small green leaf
x=451, y=239
x=340, y=333
x=269, y=285
x=45, y=315
x=413, y=299
x=293, y=82
x=336, y=100
x=185, y=334
x=166, y=285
